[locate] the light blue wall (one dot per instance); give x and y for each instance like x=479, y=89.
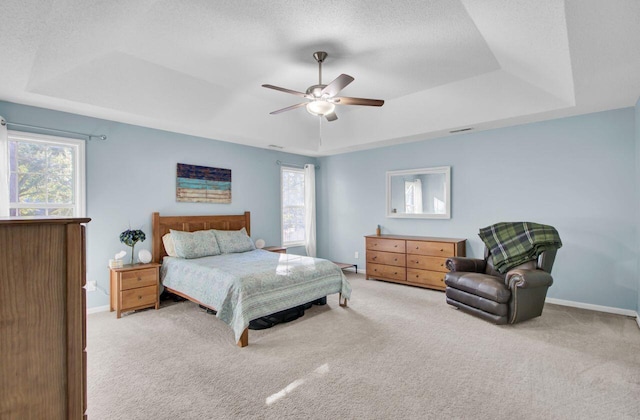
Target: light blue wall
x=637, y=121
x=133, y=174
x=577, y=174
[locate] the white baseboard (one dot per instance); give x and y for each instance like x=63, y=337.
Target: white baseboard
x=592, y=307
x=97, y=309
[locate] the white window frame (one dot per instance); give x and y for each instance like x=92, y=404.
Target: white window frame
x=290, y=169
x=79, y=169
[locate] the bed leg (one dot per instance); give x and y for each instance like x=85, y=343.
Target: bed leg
x=244, y=338
x=344, y=305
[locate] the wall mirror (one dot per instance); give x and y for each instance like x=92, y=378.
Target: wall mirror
x=419, y=193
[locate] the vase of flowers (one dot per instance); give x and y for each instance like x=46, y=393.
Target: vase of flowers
x=131, y=237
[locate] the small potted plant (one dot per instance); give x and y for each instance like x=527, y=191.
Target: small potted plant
x=131, y=237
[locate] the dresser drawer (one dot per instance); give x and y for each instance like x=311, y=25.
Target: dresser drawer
x=139, y=278
x=387, y=258
x=133, y=298
x=388, y=245
x=436, y=249
x=433, y=279
x=425, y=262
x=386, y=271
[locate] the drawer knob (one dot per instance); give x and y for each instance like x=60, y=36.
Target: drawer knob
x=139, y=297
x=139, y=278
x=395, y=246
x=374, y=258
x=442, y=250
x=395, y=272
x=417, y=275
x=395, y=259
x=417, y=247
x=441, y=265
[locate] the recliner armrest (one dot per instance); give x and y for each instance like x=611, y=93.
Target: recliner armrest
x=470, y=265
x=528, y=279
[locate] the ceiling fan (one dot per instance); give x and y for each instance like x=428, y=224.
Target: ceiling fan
x=322, y=98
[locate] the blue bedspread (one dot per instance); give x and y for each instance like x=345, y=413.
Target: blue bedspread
x=249, y=285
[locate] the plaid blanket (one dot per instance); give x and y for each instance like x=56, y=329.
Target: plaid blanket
x=515, y=243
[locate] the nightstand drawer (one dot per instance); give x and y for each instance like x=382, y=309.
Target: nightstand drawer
x=138, y=297
x=138, y=278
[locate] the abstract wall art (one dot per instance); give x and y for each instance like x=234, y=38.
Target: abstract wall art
x=201, y=184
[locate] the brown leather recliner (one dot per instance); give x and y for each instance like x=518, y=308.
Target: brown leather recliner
x=476, y=287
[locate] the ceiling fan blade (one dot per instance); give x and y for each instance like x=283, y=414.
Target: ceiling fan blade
x=358, y=101
x=289, y=108
x=331, y=117
x=285, y=90
x=337, y=85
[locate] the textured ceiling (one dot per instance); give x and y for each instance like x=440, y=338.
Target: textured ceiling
x=197, y=67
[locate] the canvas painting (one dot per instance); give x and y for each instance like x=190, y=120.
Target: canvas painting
x=201, y=184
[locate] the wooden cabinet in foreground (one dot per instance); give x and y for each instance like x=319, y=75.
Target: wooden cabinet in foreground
x=415, y=260
x=43, y=361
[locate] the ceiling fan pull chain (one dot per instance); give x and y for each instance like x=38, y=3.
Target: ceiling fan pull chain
x=320, y=130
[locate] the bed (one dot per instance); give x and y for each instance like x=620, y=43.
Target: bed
x=247, y=285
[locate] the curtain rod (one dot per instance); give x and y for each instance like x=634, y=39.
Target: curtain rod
x=88, y=136
x=295, y=165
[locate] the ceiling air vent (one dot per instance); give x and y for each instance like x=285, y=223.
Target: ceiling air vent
x=460, y=130
x=275, y=146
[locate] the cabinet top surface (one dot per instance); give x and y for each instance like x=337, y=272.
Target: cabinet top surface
x=140, y=266
x=42, y=220
x=416, y=238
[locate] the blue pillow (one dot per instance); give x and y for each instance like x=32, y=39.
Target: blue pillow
x=231, y=241
x=201, y=243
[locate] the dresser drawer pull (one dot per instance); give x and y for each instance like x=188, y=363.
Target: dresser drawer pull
x=441, y=250
x=395, y=246
x=417, y=247
x=374, y=257
x=139, y=297
x=395, y=259
x=139, y=278
x=395, y=272
x=417, y=275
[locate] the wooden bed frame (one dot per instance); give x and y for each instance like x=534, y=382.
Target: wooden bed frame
x=161, y=225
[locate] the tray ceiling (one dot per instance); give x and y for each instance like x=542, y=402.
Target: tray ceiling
x=440, y=65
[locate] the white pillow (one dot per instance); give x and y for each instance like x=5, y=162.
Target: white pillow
x=169, y=246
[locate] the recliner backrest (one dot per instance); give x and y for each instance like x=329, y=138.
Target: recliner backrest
x=544, y=262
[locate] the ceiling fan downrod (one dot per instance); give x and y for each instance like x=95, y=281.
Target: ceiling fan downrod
x=320, y=57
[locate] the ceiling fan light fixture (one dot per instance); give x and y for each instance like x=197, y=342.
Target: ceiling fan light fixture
x=320, y=108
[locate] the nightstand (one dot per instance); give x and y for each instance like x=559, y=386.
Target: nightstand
x=134, y=287
x=279, y=249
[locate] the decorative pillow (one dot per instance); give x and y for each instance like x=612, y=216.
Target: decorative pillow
x=231, y=241
x=201, y=243
x=169, y=246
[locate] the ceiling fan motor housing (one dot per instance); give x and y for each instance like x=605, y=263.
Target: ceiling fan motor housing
x=315, y=91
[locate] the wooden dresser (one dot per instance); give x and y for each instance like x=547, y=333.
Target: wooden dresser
x=42, y=319
x=415, y=260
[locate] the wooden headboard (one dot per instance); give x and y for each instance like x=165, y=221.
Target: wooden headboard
x=162, y=224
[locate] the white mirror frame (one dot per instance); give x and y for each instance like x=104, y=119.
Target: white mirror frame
x=446, y=170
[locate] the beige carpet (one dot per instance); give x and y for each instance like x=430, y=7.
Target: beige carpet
x=397, y=352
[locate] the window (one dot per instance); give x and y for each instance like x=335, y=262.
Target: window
x=293, y=227
x=46, y=176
